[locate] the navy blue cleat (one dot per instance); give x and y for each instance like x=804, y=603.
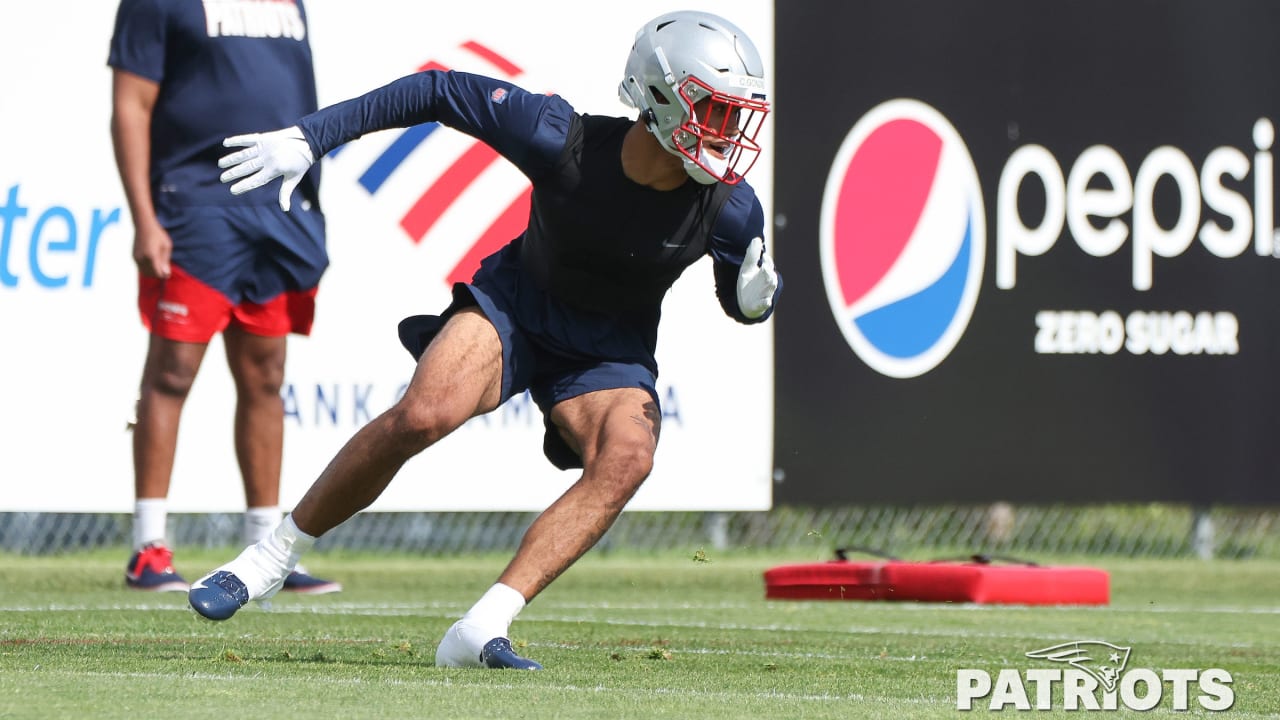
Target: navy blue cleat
x=497, y=653
x=218, y=596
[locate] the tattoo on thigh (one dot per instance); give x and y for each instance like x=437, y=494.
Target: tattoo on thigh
x=652, y=418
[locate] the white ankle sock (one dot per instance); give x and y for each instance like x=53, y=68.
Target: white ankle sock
x=495, y=610
x=489, y=618
x=263, y=566
x=150, y=516
x=258, y=523
x=287, y=543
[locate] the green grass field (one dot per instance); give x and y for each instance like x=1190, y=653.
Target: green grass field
x=622, y=636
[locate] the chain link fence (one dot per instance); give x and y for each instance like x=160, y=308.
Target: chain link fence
x=1149, y=530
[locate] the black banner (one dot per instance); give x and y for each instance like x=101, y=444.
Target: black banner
x=1029, y=249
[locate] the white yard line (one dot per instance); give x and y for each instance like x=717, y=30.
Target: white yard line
x=391, y=608
x=455, y=682
x=452, y=611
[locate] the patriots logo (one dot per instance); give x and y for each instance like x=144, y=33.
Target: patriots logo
x=498, y=96
x=1078, y=655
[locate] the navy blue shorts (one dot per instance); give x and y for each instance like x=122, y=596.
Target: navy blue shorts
x=549, y=377
x=247, y=252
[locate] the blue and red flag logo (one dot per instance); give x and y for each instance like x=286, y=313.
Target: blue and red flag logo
x=903, y=235
x=440, y=192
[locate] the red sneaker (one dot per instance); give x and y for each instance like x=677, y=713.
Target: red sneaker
x=151, y=568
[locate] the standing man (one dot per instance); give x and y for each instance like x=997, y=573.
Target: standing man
x=569, y=310
x=210, y=262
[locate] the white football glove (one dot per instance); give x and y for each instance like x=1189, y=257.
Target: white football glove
x=267, y=156
x=757, y=280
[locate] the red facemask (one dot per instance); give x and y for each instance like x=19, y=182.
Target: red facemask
x=720, y=134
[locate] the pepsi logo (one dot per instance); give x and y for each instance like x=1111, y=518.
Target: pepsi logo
x=903, y=238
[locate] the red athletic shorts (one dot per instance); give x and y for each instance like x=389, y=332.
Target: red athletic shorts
x=184, y=309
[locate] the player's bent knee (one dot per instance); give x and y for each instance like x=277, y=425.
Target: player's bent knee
x=625, y=465
x=419, y=426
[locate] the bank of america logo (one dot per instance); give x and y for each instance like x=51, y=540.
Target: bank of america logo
x=441, y=191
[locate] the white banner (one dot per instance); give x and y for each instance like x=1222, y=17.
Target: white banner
x=71, y=344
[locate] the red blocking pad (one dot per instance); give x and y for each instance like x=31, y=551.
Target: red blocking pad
x=939, y=581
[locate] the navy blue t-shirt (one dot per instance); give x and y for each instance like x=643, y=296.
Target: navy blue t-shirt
x=225, y=68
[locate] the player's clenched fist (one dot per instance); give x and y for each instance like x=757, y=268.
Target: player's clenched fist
x=757, y=280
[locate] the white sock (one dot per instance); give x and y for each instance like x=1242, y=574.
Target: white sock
x=489, y=618
x=495, y=611
x=149, y=518
x=287, y=542
x=258, y=522
x=263, y=566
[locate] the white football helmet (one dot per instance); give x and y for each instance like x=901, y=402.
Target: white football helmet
x=698, y=83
